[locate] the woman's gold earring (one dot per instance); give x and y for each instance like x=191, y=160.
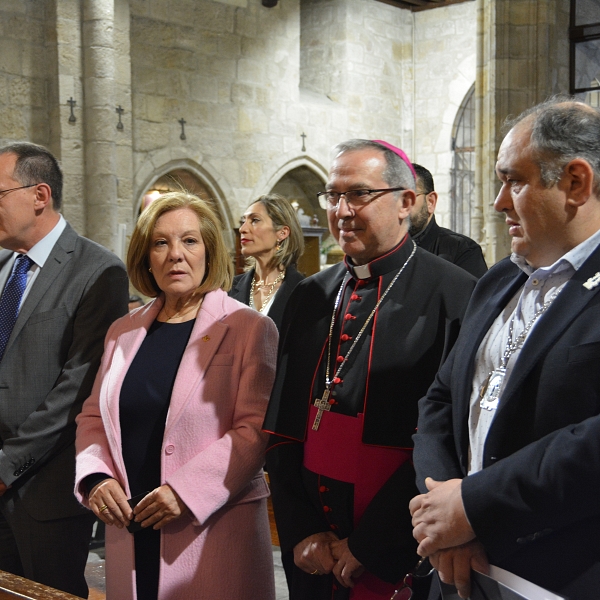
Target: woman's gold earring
x=150, y=269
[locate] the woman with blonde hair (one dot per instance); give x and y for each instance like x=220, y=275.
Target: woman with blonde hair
x=169, y=444
x=272, y=241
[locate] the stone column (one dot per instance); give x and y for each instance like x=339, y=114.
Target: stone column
x=523, y=58
x=99, y=72
x=66, y=138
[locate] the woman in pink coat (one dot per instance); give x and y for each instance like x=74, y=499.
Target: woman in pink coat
x=174, y=422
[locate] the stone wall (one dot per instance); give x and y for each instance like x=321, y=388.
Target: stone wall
x=27, y=66
x=250, y=80
x=330, y=69
x=445, y=65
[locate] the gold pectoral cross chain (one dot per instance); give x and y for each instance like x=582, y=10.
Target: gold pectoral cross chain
x=322, y=404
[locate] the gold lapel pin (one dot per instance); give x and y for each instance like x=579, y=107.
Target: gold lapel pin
x=206, y=338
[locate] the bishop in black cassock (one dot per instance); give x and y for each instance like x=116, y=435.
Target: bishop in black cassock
x=352, y=477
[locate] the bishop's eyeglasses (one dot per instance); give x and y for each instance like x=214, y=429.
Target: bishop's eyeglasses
x=354, y=198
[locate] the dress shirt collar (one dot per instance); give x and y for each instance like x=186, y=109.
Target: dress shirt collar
x=574, y=257
x=388, y=262
x=41, y=251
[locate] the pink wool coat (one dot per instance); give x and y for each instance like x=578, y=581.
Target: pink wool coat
x=212, y=454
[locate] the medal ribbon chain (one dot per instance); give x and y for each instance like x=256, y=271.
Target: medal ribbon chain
x=512, y=347
x=362, y=329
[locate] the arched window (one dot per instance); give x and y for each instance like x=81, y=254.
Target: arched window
x=585, y=49
x=462, y=182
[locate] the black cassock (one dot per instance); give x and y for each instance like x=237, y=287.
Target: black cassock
x=389, y=370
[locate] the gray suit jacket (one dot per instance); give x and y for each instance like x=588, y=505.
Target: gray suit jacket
x=49, y=367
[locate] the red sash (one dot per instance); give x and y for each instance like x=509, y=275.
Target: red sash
x=336, y=450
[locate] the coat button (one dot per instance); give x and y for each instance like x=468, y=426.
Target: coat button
x=323, y=489
x=169, y=449
x=326, y=509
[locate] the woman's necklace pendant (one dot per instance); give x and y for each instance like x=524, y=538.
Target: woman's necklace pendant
x=490, y=390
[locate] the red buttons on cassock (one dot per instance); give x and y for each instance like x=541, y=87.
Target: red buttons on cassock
x=345, y=337
x=333, y=527
x=355, y=297
x=349, y=317
x=339, y=359
x=323, y=489
x=337, y=380
x=169, y=449
x=326, y=509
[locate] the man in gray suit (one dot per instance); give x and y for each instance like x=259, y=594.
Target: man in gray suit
x=73, y=290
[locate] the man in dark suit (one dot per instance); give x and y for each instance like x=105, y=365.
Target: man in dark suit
x=508, y=445
x=455, y=247
x=73, y=290
x=360, y=344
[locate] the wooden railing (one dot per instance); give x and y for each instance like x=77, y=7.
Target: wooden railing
x=13, y=586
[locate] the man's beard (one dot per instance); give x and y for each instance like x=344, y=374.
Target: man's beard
x=418, y=221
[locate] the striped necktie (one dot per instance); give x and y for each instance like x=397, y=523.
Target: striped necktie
x=11, y=299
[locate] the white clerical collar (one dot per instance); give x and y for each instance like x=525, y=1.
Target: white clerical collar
x=362, y=271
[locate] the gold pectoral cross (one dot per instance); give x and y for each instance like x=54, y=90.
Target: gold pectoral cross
x=322, y=404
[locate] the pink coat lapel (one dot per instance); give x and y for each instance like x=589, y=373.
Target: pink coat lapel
x=125, y=348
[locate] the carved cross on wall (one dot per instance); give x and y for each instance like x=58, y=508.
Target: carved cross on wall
x=120, y=110
x=303, y=136
x=72, y=103
x=182, y=122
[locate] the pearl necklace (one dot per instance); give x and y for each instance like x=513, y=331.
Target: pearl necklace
x=262, y=284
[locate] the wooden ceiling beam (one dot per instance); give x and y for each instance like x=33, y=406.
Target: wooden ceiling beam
x=419, y=5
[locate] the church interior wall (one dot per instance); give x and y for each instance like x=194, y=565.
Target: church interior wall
x=249, y=81
x=247, y=97
x=445, y=66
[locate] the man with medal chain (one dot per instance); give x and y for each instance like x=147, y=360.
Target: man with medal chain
x=507, y=449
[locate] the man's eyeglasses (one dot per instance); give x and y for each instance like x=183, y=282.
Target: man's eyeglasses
x=4, y=192
x=354, y=198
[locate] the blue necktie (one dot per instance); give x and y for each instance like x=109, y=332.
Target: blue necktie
x=11, y=299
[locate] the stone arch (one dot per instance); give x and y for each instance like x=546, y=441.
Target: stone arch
x=215, y=187
x=299, y=179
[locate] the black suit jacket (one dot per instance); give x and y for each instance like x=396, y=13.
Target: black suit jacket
x=48, y=370
x=534, y=506
x=454, y=247
x=242, y=284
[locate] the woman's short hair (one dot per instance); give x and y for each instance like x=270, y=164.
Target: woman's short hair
x=282, y=214
x=219, y=266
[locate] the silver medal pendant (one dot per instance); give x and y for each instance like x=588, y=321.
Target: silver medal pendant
x=490, y=391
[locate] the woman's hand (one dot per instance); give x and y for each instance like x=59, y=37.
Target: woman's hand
x=109, y=503
x=159, y=507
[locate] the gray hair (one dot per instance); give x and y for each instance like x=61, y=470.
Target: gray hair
x=396, y=174
x=36, y=164
x=563, y=129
